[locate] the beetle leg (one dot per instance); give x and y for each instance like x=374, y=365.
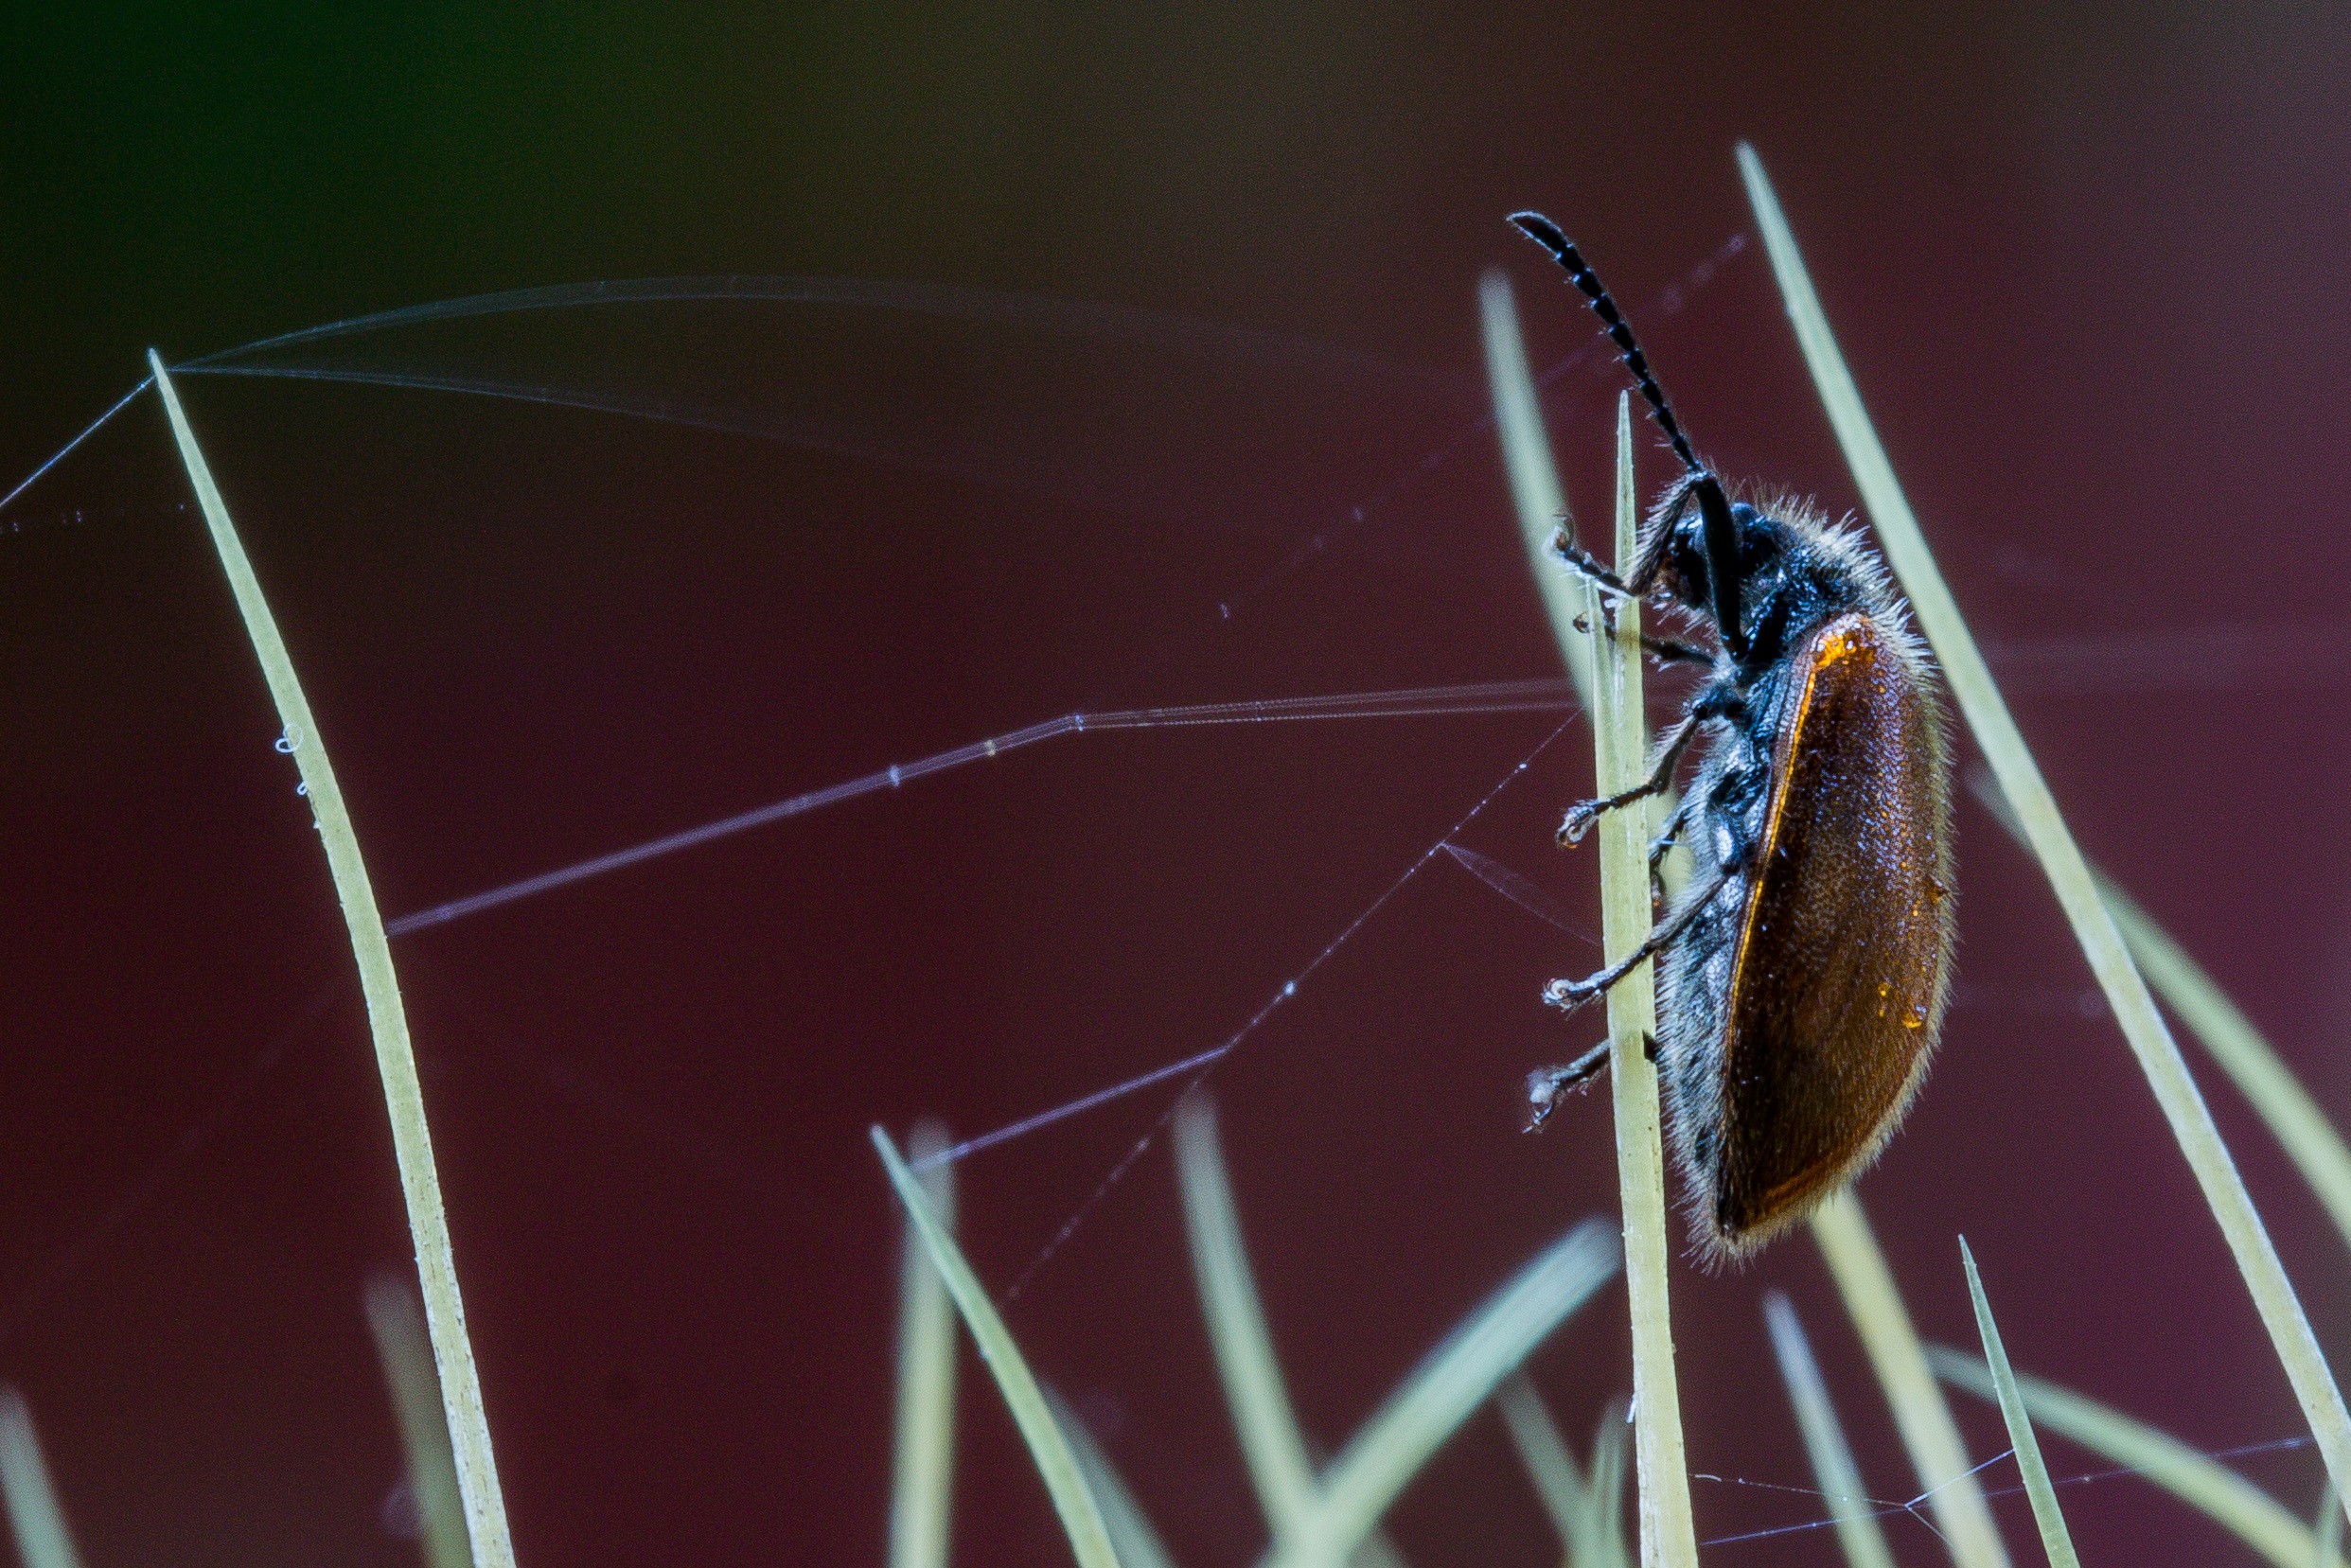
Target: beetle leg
x=1663, y=844
x=1671, y=650
x=1570, y=993
x=1563, y=544
x=1546, y=1085
x=1585, y=813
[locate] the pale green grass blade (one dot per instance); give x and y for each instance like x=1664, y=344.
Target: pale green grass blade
x=1080, y=1511
x=1609, y=1450
x=42, y=1537
x=2211, y=1489
x=405, y=1349
x=1449, y=1384
x=1549, y=1466
x=922, y=1484
x=2260, y=1075
x=1138, y=1545
x=2056, y=1541
x=1938, y=1455
x=412, y=1142
x=2330, y=1532
x=1587, y=1512
x=1849, y=1506
x=1621, y=731
x=2013, y=764
x=1259, y=1398
x=1536, y=491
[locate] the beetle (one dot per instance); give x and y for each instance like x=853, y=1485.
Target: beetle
x=1803, y=976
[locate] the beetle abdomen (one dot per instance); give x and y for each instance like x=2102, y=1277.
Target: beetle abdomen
x=1830, y=996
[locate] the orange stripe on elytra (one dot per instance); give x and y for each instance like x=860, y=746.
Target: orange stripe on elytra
x=1834, y=650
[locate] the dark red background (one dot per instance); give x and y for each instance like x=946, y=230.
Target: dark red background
x=2088, y=271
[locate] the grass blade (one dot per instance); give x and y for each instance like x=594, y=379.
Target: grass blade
x=1439, y=1395
x=1080, y=1511
x=1937, y=1452
x=1587, y=1512
x=2013, y=764
x=2252, y=1064
x=1138, y=1545
x=405, y=1349
x=1271, y=1442
x=42, y=1537
x=1549, y=1466
x=2056, y=1541
x=1535, y=490
x=2210, y=1488
x=2328, y=1544
x=923, y=1464
x=1669, y=1539
x=1824, y=1440
x=412, y=1141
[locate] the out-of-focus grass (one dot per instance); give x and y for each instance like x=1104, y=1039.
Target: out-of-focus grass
x=405, y=1349
x=39, y=1522
x=2206, y=1485
x=1137, y=1542
x=1937, y=1454
x=395, y=1062
x=1850, y=1504
x=923, y=1467
x=2013, y=764
x=1073, y=1499
x=1587, y=1510
x=2056, y=1541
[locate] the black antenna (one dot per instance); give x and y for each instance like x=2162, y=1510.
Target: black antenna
x=1721, y=533
x=1546, y=234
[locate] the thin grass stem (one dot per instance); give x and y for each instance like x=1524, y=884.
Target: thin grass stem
x=1065, y=1481
x=1669, y=1539
x=1840, y=1479
x=2003, y=747
x=2205, y=1484
x=1938, y=1455
x=2056, y=1541
x=923, y=1458
x=39, y=1522
x=405, y=1347
x=2329, y=1543
x=395, y=1062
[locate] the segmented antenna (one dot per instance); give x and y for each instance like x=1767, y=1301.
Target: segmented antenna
x=1546, y=234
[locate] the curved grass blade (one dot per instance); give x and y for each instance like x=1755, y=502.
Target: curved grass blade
x=2205, y=1484
x=2215, y=1022
x=2013, y=764
x=1271, y=1442
x=923, y=1461
x=405, y=1349
x=2056, y=1541
x=1138, y=1545
x=395, y=1062
x=1073, y=1499
x=1938, y=1455
x=42, y=1538
x=1824, y=1440
x=1439, y=1395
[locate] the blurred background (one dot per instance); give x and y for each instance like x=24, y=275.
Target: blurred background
x=1155, y=379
